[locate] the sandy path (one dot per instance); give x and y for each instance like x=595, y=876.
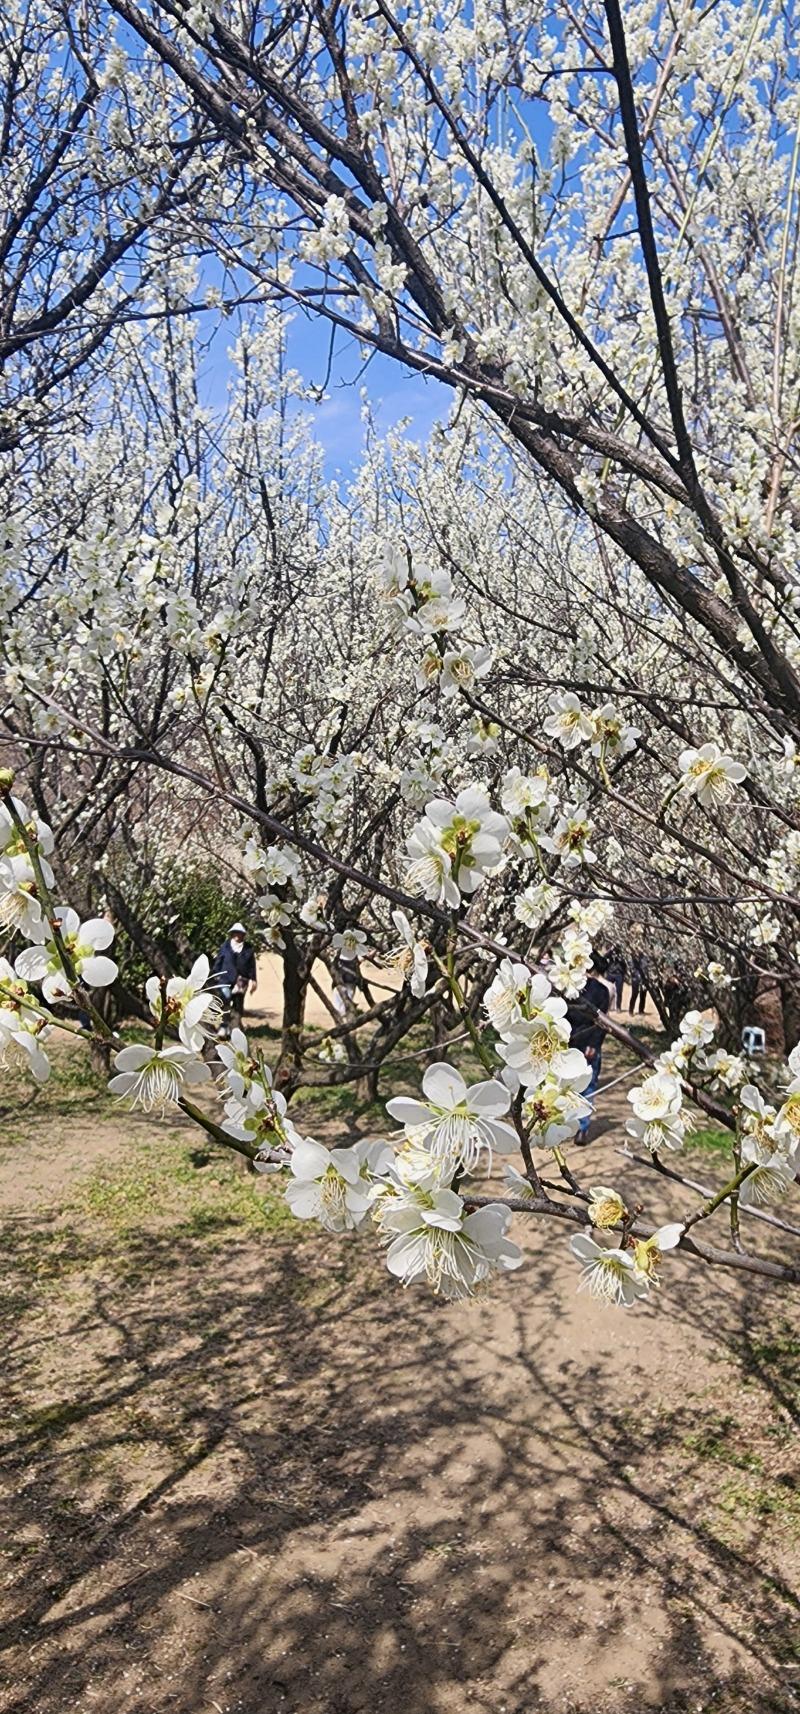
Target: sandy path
x=274, y=1481
x=267, y=1002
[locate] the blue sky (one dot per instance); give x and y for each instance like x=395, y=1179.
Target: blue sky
x=395, y=393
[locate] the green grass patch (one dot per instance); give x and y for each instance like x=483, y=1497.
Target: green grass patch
x=158, y=1184
x=711, y=1140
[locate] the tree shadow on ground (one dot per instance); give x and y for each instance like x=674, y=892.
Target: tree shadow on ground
x=258, y=1477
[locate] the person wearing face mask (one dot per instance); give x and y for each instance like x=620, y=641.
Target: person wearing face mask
x=233, y=970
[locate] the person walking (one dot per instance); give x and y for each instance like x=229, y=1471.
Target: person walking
x=616, y=971
x=233, y=970
x=639, y=982
x=587, y=1031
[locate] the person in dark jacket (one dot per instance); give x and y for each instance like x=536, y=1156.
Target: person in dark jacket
x=587, y=1030
x=233, y=969
x=616, y=971
x=639, y=982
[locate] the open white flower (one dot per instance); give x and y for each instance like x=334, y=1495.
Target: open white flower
x=606, y=1207
x=240, y=1066
x=22, y=1026
x=656, y=1098
x=155, y=1078
x=12, y=844
x=657, y=1120
x=507, y=997
x=349, y=944
x=771, y=1177
x=536, y=904
x=463, y=1125
x=430, y=871
x=569, y=840
x=471, y=833
x=697, y=1029
x=710, y=775
x=20, y=909
x=728, y=1068
x=332, y=1186
x=611, y=736
x=259, y=1114
x=571, y=962
x=20, y=1045
x=311, y=911
x=462, y=668
x=410, y=957
x=757, y=1119
x=554, y=1109
x=433, y=1239
x=568, y=723
x=537, y=1044
x=191, y=1010
x=85, y=942
x=484, y=736
x=766, y=931
x=647, y=1252
x=609, y=1274
x=528, y=801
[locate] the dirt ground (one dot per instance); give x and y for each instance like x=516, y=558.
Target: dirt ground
x=244, y=1471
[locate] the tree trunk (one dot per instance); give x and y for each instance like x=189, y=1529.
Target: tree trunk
x=295, y=987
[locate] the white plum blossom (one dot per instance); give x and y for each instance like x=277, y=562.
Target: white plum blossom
x=717, y=975
x=647, y=1252
x=311, y=911
x=539, y=1047
x=568, y=723
x=710, y=775
x=606, y=1207
x=240, y=1065
x=527, y=800
x=191, y=1010
x=592, y=917
x=85, y=942
x=608, y=1273
x=462, y=668
x=432, y=1238
x=569, y=840
x=657, y=1120
x=727, y=1068
x=536, y=904
x=333, y=1186
x=22, y=1027
x=757, y=1118
x=258, y=1115
x=410, y=957
x=766, y=931
x=571, y=962
x=461, y=1124
x=696, y=1029
x=554, y=1108
x=510, y=993
x=484, y=737
x=611, y=736
x=471, y=833
x=429, y=872
x=771, y=1177
x=20, y=907
x=155, y=1078
x=350, y=944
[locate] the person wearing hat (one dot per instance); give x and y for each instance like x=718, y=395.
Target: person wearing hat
x=233, y=969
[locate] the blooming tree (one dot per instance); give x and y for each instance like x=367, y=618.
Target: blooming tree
x=505, y=697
